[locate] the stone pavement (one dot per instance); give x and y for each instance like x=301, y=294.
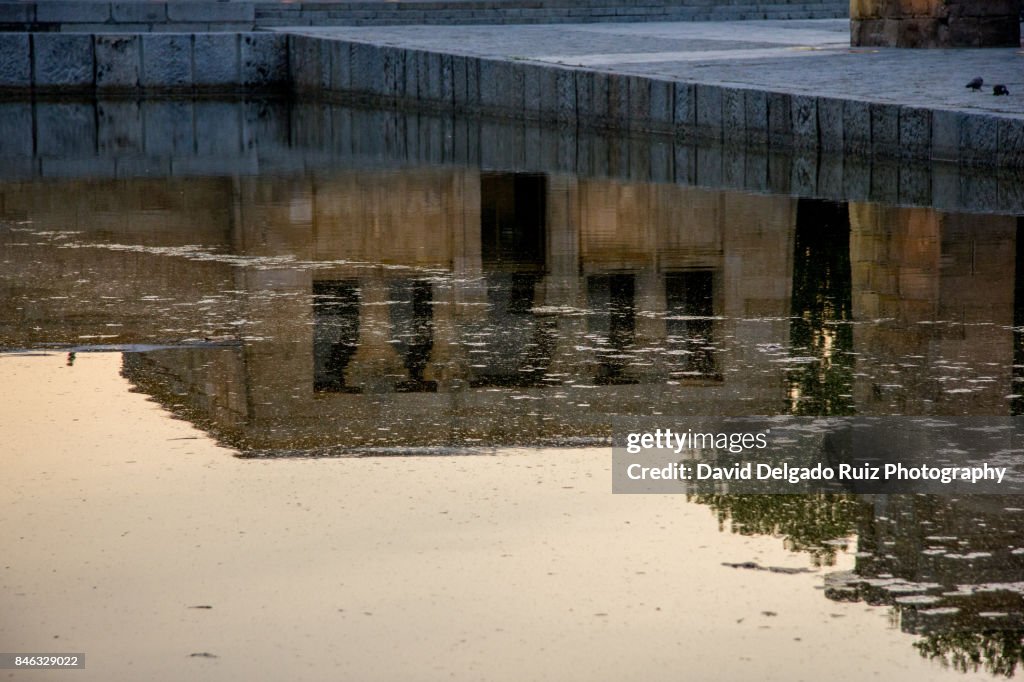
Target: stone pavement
x=781, y=84
x=799, y=57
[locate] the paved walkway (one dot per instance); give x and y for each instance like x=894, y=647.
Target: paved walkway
x=798, y=57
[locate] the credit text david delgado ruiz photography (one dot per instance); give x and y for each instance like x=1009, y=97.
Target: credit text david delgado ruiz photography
x=782, y=455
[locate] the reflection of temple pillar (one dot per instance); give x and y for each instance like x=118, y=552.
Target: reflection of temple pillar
x=470, y=289
x=560, y=287
x=375, y=366
x=946, y=282
x=448, y=365
x=650, y=320
x=280, y=368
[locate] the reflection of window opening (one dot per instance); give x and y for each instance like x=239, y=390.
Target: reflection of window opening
x=412, y=322
x=513, y=209
x=1017, y=387
x=335, y=333
x=612, y=320
x=689, y=324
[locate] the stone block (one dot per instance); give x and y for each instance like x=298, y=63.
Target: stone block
x=755, y=106
x=565, y=96
x=119, y=127
x=618, y=100
x=885, y=129
x=16, y=135
x=15, y=61
x=979, y=138
x=661, y=104
x=210, y=11
x=684, y=109
x=639, y=102
x=216, y=60
x=856, y=126
x=709, y=110
x=804, y=117
x=946, y=135
x=734, y=117
x=915, y=132
x=118, y=61
x=780, y=118
x=166, y=61
x=138, y=12
x=263, y=59
x=168, y=127
x=65, y=129
x=63, y=60
x=1011, y=142
x=830, y=124
x=72, y=12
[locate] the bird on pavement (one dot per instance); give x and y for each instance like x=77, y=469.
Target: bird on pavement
x=1000, y=90
x=976, y=83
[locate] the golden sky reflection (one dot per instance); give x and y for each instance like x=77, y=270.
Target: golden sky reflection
x=518, y=566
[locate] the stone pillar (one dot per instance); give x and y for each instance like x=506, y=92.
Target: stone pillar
x=935, y=23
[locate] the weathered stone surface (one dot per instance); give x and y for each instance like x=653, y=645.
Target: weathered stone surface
x=804, y=115
x=119, y=127
x=15, y=129
x=935, y=23
x=915, y=132
x=684, y=113
x=709, y=109
x=15, y=68
x=830, y=124
x=66, y=129
x=755, y=104
x=856, y=126
x=166, y=61
x=946, y=135
x=63, y=59
x=118, y=61
x=216, y=60
x=138, y=12
x=263, y=59
x=734, y=116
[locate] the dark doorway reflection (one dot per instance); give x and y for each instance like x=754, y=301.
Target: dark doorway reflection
x=412, y=323
x=689, y=323
x=612, y=325
x=335, y=333
x=513, y=208
x=822, y=304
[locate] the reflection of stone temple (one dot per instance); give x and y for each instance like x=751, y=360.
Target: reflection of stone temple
x=452, y=306
x=952, y=568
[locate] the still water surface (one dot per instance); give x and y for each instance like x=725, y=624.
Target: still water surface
x=328, y=320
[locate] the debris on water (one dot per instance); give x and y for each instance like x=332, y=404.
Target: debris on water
x=201, y=606
x=203, y=654
x=753, y=566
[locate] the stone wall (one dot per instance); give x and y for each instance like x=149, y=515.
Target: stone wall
x=186, y=16
x=935, y=23
x=180, y=63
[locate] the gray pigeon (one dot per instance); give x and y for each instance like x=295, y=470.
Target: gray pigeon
x=1000, y=90
x=976, y=83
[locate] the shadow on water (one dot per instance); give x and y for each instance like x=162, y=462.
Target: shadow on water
x=443, y=308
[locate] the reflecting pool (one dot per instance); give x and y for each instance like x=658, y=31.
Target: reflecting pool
x=396, y=381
